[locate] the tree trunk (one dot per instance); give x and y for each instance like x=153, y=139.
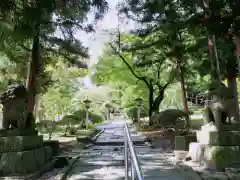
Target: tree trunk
x=108, y=114
x=215, y=72
x=150, y=105
x=232, y=84
x=33, y=73
x=36, y=108
x=208, y=13
x=183, y=93
x=237, y=41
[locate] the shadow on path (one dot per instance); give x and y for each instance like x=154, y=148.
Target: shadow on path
x=104, y=160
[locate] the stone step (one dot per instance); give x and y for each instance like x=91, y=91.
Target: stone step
x=115, y=157
x=103, y=151
x=96, y=147
x=97, y=172
x=99, y=162
x=115, y=142
x=20, y=143
x=105, y=159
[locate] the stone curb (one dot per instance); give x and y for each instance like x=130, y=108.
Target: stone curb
x=96, y=135
x=46, y=168
x=63, y=174
x=188, y=172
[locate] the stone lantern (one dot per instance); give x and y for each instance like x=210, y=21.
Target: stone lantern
x=108, y=106
x=87, y=103
x=139, y=104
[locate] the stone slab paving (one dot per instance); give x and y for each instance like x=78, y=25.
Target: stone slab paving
x=228, y=174
x=105, y=159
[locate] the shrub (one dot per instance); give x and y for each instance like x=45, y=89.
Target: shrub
x=168, y=117
x=96, y=117
x=48, y=125
x=69, y=119
x=78, y=118
x=72, y=130
x=132, y=113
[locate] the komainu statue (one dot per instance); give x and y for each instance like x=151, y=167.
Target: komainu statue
x=220, y=106
x=14, y=102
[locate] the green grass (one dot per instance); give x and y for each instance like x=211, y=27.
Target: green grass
x=84, y=136
x=101, y=123
x=84, y=132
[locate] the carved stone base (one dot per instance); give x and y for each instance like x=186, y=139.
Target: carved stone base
x=54, y=145
x=215, y=157
x=20, y=155
x=48, y=153
x=20, y=143
x=221, y=157
x=24, y=162
x=17, y=132
x=222, y=138
x=230, y=127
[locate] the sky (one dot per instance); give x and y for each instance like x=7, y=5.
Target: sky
x=96, y=42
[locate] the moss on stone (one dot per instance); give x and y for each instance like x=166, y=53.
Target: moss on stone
x=222, y=156
x=20, y=143
x=23, y=162
x=223, y=138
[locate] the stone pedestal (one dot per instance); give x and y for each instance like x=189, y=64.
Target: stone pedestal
x=21, y=154
x=217, y=150
x=180, y=155
x=54, y=146
x=182, y=142
x=181, y=145
x=221, y=138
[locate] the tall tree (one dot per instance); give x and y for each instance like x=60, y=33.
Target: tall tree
x=35, y=24
x=153, y=72
x=165, y=22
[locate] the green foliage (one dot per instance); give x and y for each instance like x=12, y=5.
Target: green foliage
x=78, y=118
x=181, y=31
x=172, y=98
x=70, y=119
x=168, y=117
x=39, y=31
x=36, y=18
x=132, y=113
x=58, y=97
x=72, y=131
x=48, y=126
x=125, y=72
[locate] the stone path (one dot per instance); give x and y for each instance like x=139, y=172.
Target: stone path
x=104, y=160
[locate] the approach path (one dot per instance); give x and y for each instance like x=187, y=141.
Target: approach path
x=104, y=159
